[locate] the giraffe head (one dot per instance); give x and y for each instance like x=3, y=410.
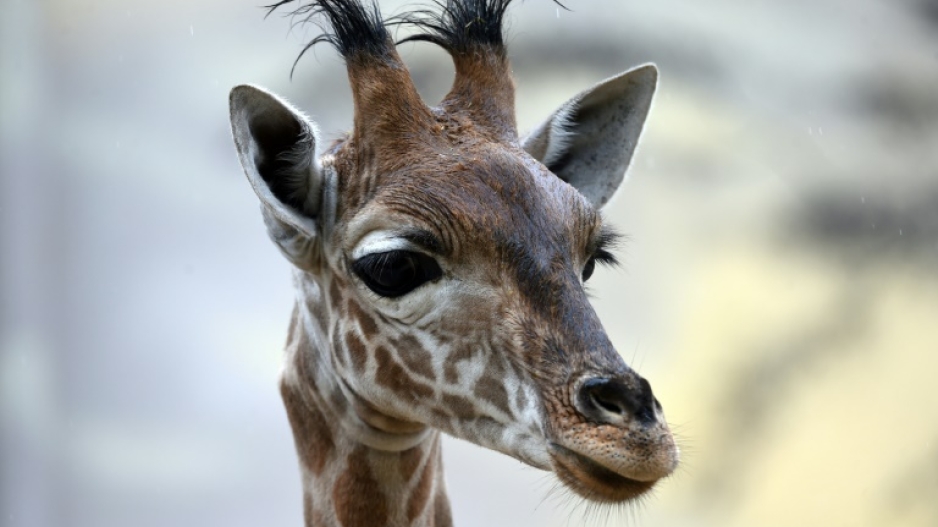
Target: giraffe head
x=445, y=256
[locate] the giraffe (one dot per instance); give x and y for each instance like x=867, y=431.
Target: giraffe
x=439, y=262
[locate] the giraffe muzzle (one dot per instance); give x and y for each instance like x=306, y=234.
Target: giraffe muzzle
x=620, y=444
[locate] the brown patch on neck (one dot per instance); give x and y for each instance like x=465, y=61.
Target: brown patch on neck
x=410, y=462
x=311, y=430
x=442, y=515
x=357, y=496
x=420, y=496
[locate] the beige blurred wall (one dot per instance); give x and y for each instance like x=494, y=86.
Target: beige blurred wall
x=779, y=288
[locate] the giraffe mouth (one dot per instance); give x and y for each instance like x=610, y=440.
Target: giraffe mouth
x=593, y=481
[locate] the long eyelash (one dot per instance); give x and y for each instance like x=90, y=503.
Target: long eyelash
x=609, y=239
x=605, y=257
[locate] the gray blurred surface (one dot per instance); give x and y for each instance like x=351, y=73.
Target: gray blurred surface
x=780, y=287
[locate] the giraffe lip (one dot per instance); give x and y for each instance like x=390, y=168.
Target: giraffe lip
x=593, y=481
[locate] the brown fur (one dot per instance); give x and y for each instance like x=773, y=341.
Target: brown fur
x=422, y=491
x=415, y=357
x=393, y=377
x=484, y=91
x=357, y=481
x=492, y=389
x=410, y=461
x=357, y=350
x=365, y=321
x=442, y=516
x=311, y=430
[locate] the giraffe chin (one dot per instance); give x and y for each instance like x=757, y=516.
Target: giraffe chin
x=593, y=481
x=378, y=430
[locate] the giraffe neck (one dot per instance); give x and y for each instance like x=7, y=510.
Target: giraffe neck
x=359, y=467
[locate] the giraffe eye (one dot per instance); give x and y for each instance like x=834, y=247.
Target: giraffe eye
x=601, y=256
x=589, y=268
x=395, y=273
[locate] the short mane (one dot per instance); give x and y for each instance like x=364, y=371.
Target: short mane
x=353, y=29
x=460, y=26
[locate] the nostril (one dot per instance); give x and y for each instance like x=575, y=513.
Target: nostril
x=611, y=401
x=610, y=406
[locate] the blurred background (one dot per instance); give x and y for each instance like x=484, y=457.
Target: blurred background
x=780, y=286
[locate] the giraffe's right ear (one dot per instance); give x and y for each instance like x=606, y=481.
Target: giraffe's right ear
x=277, y=147
x=589, y=141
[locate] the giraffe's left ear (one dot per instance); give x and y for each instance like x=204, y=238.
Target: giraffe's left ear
x=589, y=141
x=277, y=147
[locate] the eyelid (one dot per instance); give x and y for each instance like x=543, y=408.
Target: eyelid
x=382, y=241
x=424, y=239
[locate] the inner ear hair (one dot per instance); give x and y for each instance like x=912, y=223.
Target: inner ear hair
x=284, y=159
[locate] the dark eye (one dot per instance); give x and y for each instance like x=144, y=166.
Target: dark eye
x=589, y=268
x=396, y=273
x=608, y=239
x=601, y=256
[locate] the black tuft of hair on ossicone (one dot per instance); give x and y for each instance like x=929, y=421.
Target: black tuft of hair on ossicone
x=353, y=28
x=460, y=26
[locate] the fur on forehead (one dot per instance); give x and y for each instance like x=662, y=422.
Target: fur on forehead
x=492, y=192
